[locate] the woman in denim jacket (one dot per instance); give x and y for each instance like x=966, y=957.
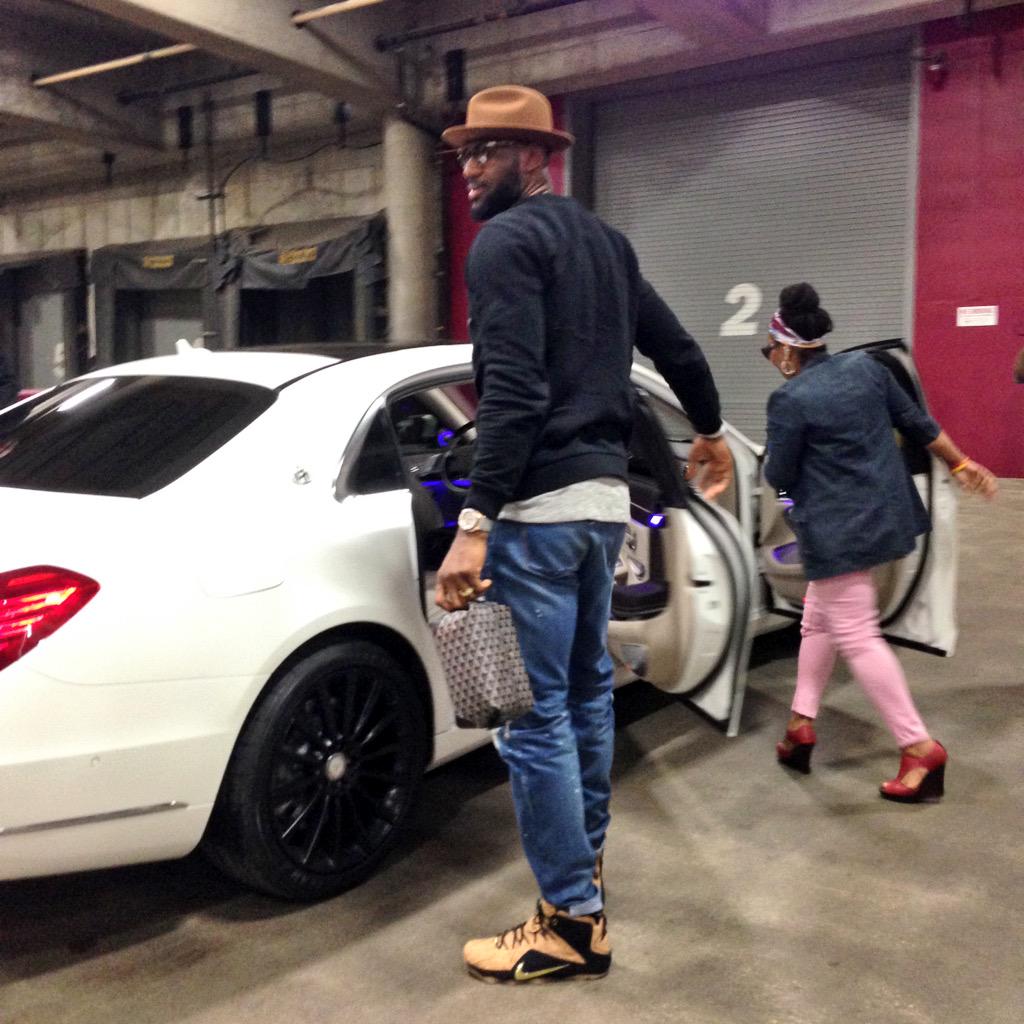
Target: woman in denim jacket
x=831, y=448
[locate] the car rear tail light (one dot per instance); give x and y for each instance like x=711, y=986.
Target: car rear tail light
x=36, y=602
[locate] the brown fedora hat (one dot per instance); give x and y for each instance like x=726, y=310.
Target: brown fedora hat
x=509, y=112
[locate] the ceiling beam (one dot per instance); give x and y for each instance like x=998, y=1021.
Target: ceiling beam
x=715, y=23
x=260, y=34
x=86, y=116
x=815, y=16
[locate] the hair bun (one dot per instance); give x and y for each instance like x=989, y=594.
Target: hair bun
x=799, y=298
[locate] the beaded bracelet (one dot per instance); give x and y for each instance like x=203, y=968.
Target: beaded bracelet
x=959, y=467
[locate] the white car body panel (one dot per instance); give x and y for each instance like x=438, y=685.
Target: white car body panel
x=267, y=369
x=117, y=728
x=151, y=723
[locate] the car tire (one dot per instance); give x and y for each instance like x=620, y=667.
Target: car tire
x=324, y=775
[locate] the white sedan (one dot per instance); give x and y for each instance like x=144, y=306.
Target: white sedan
x=216, y=602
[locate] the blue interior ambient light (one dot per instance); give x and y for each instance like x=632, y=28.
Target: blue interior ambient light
x=444, y=438
x=440, y=485
x=787, y=554
x=655, y=520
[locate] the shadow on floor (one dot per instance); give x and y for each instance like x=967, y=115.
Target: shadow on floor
x=49, y=923
x=459, y=833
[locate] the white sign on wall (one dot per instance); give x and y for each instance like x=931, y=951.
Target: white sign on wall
x=742, y=323
x=977, y=316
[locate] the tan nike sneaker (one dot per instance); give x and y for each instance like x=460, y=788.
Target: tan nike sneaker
x=551, y=946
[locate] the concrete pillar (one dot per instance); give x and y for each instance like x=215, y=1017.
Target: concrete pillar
x=412, y=202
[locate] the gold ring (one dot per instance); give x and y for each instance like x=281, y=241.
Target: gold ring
x=467, y=592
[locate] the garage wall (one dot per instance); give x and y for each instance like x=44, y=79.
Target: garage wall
x=45, y=320
x=334, y=183
x=970, y=240
x=731, y=190
x=153, y=194
x=43, y=316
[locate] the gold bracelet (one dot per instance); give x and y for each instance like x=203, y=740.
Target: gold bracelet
x=960, y=466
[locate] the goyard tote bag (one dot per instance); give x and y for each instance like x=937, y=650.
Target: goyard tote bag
x=480, y=653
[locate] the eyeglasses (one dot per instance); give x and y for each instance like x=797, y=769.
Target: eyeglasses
x=766, y=350
x=480, y=152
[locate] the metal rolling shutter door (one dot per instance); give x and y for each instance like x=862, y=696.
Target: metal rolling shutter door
x=799, y=176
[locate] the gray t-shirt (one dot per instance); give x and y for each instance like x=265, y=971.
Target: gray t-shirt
x=602, y=500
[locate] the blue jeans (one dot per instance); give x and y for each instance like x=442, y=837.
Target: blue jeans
x=557, y=579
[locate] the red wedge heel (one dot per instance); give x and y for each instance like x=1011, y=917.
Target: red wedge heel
x=798, y=755
x=930, y=788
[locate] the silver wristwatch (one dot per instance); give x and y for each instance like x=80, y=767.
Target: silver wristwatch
x=472, y=521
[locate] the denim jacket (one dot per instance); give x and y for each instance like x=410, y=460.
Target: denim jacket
x=831, y=447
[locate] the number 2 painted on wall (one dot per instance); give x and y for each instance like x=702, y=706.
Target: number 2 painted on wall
x=742, y=322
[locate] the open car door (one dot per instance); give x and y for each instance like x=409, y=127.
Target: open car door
x=682, y=595
x=681, y=603
x=916, y=594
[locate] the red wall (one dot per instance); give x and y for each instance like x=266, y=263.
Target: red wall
x=460, y=230
x=970, y=234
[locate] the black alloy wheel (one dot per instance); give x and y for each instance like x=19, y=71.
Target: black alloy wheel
x=324, y=775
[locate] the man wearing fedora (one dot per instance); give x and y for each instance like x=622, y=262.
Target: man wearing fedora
x=557, y=304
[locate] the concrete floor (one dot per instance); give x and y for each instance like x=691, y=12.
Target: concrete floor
x=738, y=893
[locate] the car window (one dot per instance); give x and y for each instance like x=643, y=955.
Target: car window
x=426, y=421
x=377, y=468
x=122, y=436
x=405, y=442
x=435, y=435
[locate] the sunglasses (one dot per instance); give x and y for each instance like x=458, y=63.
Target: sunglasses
x=766, y=350
x=480, y=152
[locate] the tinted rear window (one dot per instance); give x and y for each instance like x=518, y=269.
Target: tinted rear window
x=122, y=436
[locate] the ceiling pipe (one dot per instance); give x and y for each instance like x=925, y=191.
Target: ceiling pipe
x=300, y=18
x=187, y=86
x=385, y=43
x=115, y=65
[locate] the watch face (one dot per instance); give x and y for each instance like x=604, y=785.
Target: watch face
x=469, y=520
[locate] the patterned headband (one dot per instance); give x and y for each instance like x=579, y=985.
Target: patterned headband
x=783, y=334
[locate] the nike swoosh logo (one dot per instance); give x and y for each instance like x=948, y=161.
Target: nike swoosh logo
x=520, y=975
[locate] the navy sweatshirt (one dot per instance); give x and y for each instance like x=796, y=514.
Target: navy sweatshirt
x=556, y=306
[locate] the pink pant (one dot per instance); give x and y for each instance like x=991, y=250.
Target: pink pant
x=841, y=617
